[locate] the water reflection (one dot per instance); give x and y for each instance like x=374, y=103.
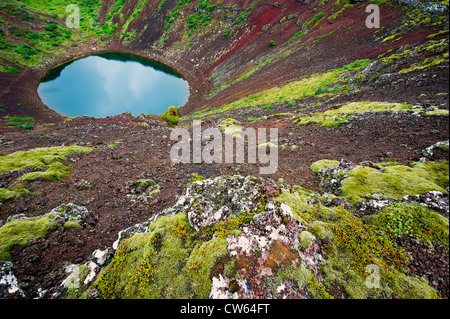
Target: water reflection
x=109, y=84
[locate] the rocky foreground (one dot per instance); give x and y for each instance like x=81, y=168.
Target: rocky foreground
x=232, y=236
x=358, y=207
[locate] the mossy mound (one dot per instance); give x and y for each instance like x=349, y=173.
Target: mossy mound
x=166, y=262
x=323, y=164
x=395, y=181
x=37, y=158
x=45, y=161
x=403, y=219
x=21, y=231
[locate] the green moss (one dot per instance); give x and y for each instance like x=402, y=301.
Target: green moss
x=365, y=247
x=154, y=192
x=20, y=232
x=336, y=273
x=6, y=194
x=428, y=62
x=75, y=280
x=321, y=229
x=406, y=287
x=54, y=172
x=437, y=112
x=167, y=262
x=306, y=239
x=229, y=126
x=18, y=191
x=298, y=202
x=323, y=164
x=299, y=275
x=335, y=117
x=202, y=261
x=443, y=148
x=395, y=181
x=72, y=225
x=37, y=158
x=47, y=160
x=145, y=183
x=197, y=178
x=267, y=144
x=357, y=245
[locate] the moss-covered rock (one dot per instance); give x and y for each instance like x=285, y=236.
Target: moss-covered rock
x=323, y=164
x=144, y=183
x=21, y=231
x=306, y=239
x=395, y=181
x=266, y=247
x=166, y=262
x=357, y=286
x=46, y=162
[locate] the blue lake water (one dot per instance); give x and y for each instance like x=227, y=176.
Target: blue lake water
x=112, y=83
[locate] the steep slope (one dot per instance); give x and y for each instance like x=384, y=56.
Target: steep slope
x=222, y=50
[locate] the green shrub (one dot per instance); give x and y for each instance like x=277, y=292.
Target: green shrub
x=21, y=119
x=171, y=115
x=10, y=70
x=272, y=43
x=321, y=90
x=26, y=126
x=291, y=104
x=25, y=51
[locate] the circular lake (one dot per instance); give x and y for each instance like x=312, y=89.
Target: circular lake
x=112, y=83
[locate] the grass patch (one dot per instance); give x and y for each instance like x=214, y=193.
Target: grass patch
x=24, y=126
x=11, y=70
